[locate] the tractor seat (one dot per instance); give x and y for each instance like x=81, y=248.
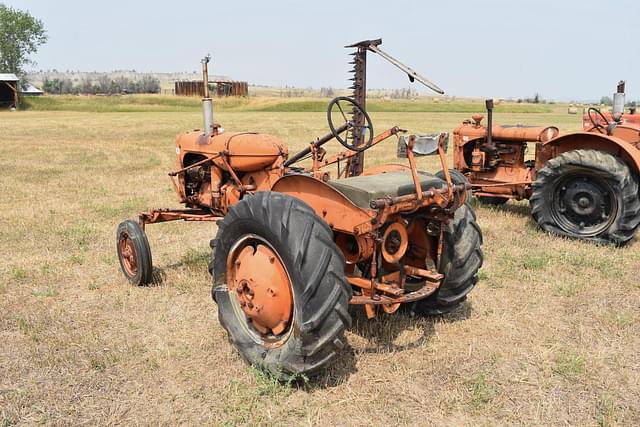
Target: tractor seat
x=362, y=190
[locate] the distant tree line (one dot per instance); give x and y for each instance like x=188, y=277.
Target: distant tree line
x=103, y=85
x=327, y=92
x=291, y=92
x=405, y=93
x=537, y=99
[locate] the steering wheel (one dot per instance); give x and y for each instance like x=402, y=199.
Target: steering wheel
x=345, y=105
x=596, y=124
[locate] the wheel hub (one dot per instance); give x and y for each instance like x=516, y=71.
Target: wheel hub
x=584, y=204
x=128, y=255
x=262, y=287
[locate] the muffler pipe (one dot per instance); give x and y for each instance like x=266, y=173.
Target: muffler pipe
x=207, y=102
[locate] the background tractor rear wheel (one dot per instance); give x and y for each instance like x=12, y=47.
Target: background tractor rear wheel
x=134, y=253
x=457, y=177
x=461, y=259
x=278, y=280
x=589, y=195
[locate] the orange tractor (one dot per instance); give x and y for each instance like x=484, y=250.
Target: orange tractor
x=582, y=185
x=296, y=245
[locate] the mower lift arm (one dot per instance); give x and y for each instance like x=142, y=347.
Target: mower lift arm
x=413, y=75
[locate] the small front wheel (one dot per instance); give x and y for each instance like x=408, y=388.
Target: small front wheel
x=134, y=253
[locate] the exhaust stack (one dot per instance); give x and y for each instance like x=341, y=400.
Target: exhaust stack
x=489, y=105
x=618, y=102
x=207, y=102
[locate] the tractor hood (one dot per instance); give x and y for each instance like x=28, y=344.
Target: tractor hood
x=243, y=151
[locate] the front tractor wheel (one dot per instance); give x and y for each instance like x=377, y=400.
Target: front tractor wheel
x=589, y=195
x=278, y=280
x=134, y=253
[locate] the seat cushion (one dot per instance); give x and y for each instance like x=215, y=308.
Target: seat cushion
x=362, y=190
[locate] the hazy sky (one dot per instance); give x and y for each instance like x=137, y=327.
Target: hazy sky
x=563, y=49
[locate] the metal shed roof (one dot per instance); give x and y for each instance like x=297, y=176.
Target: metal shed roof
x=31, y=90
x=8, y=77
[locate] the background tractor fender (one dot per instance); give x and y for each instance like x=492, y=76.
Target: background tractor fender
x=328, y=203
x=589, y=141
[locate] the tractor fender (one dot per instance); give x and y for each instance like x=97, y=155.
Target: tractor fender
x=329, y=204
x=590, y=141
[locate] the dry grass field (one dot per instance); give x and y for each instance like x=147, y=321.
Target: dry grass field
x=550, y=336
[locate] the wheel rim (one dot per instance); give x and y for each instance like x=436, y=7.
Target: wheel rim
x=128, y=255
x=584, y=204
x=260, y=290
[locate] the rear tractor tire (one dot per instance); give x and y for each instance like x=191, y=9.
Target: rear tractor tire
x=457, y=177
x=588, y=195
x=134, y=253
x=461, y=260
x=278, y=280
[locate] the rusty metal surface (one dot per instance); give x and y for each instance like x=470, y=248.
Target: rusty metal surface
x=128, y=256
x=329, y=204
x=262, y=286
x=220, y=88
x=164, y=215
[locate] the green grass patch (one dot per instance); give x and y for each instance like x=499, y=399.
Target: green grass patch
x=607, y=412
x=109, y=209
x=534, y=262
x=18, y=273
x=80, y=235
x=46, y=292
x=45, y=268
x=621, y=320
x=195, y=257
x=566, y=289
x=244, y=398
x=570, y=366
x=528, y=262
x=480, y=389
